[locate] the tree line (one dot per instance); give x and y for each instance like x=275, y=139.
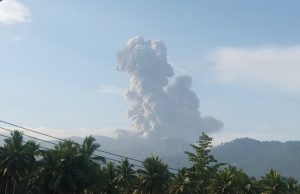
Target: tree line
x=70, y=168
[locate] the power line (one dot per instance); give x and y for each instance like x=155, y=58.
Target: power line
x=60, y=139
x=35, y=138
x=45, y=148
x=107, y=158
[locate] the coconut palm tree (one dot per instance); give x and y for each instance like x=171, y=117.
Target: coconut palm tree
x=273, y=183
x=292, y=185
x=65, y=173
x=154, y=177
x=126, y=177
x=71, y=167
x=88, y=148
x=223, y=182
x=180, y=183
x=90, y=164
x=230, y=180
x=17, y=162
x=109, y=183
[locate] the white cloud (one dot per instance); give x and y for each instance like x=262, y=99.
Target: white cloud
x=108, y=89
x=12, y=11
x=272, y=66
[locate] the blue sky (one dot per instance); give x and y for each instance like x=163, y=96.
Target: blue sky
x=58, y=62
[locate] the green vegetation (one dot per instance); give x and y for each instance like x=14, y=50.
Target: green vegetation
x=69, y=168
x=243, y=153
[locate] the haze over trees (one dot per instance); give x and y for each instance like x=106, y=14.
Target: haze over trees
x=256, y=157
x=70, y=168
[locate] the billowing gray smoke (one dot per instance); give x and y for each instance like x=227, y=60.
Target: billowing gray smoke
x=157, y=108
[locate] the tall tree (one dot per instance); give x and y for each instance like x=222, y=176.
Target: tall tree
x=180, y=183
x=204, y=165
x=154, y=177
x=70, y=167
x=90, y=164
x=126, y=177
x=109, y=184
x=292, y=186
x=17, y=163
x=230, y=180
x=273, y=183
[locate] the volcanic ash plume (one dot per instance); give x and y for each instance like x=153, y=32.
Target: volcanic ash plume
x=157, y=108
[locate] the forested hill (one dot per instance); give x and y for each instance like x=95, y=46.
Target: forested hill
x=254, y=157
x=257, y=157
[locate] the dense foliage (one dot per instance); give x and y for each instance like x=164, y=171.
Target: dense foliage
x=69, y=168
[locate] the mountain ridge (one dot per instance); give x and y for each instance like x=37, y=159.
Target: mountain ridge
x=257, y=157
x=253, y=156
